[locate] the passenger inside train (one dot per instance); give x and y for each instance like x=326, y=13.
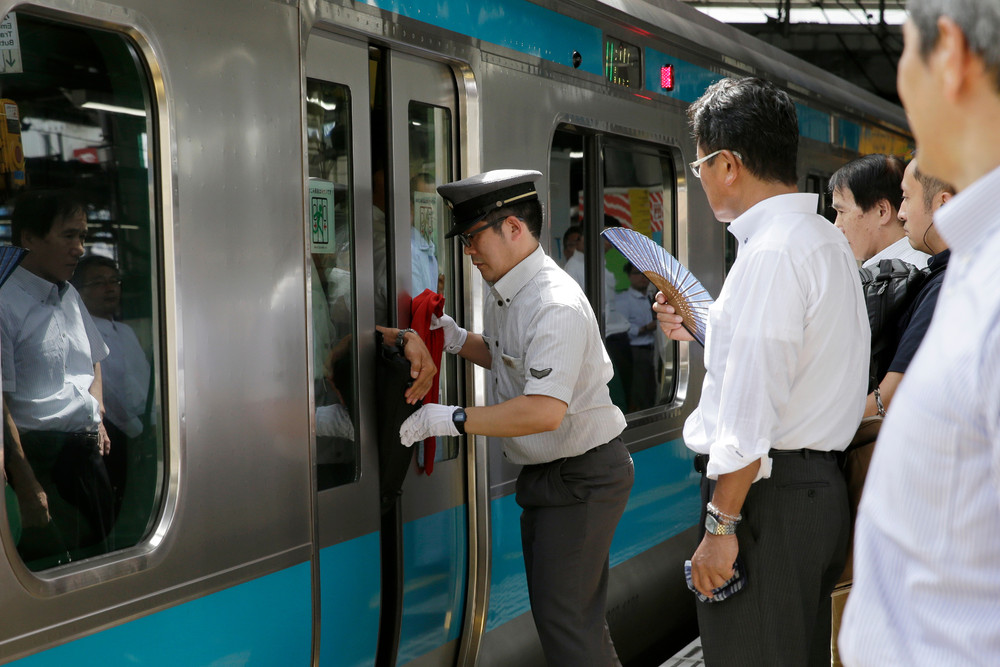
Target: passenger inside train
x=52, y=389
x=125, y=376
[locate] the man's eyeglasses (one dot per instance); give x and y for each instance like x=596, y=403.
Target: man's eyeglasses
x=103, y=282
x=466, y=238
x=696, y=165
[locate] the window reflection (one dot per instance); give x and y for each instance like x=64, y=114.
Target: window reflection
x=432, y=276
x=329, y=213
x=638, y=187
x=76, y=192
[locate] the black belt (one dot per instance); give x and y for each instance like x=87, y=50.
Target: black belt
x=61, y=438
x=804, y=453
x=701, y=460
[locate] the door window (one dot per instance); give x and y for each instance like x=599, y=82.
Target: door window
x=328, y=132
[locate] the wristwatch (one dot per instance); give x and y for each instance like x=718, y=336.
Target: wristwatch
x=458, y=418
x=715, y=527
x=400, y=337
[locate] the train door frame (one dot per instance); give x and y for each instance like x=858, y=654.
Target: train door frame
x=335, y=58
x=429, y=500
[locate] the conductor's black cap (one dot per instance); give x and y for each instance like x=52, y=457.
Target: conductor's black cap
x=471, y=199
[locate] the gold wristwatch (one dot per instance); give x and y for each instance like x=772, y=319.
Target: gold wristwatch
x=715, y=527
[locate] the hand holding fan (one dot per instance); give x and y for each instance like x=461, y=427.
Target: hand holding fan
x=682, y=289
x=10, y=257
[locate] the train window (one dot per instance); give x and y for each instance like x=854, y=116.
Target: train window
x=636, y=191
x=76, y=184
x=328, y=132
x=430, y=165
x=818, y=185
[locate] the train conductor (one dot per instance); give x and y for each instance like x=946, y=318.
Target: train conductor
x=549, y=407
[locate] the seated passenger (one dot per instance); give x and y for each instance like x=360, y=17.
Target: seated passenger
x=866, y=196
x=52, y=394
x=125, y=372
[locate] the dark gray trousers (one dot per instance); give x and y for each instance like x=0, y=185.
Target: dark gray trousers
x=793, y=543
x=570, y=510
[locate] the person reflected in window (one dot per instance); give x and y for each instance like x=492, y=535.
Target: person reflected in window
x=52, y=384
x=125, y=372
x=615, y=324
x=572, y=241
x=634, y=304
x=423, y=247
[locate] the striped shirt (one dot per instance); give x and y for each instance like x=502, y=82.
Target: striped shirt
x=788, y=342
x=544, y=339
x=48, y=346
x=927, y=542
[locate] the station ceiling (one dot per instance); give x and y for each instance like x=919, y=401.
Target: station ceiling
x=858, y=40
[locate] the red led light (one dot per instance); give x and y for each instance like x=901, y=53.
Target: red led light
x=667, y=77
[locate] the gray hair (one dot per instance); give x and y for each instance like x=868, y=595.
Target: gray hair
x=979, y=20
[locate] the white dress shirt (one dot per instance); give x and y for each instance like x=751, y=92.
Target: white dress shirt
x=543, y=339
x=927, y=541
x=423, y=257
x=49, y=345
x=614, y=322
x=124, y=376
x=788, y=342
x=901, y=249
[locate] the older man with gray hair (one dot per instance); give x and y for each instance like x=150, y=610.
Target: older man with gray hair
x=927, y=546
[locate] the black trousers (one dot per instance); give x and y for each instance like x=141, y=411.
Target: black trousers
x=70, y=469
x=793, y=543
x=570, y=510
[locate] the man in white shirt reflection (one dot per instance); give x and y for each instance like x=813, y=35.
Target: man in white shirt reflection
x=786, y=356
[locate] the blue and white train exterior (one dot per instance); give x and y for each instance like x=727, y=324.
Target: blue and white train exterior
x=247, y=558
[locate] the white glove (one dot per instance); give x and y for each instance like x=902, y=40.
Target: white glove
x=432, y=419
x=454, y=335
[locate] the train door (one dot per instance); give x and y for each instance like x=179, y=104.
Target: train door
x=422, y=122
x=342, y=251
x=380, y=128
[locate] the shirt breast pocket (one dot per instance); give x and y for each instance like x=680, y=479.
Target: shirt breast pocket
x=511, y=376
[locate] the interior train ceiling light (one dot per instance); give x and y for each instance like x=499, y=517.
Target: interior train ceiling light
x=113, y=108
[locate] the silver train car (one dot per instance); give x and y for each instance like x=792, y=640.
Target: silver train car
x=262, y=174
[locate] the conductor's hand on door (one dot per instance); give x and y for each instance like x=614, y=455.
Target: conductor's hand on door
x=422, y=367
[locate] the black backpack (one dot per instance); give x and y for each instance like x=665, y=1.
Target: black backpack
x=889, y=288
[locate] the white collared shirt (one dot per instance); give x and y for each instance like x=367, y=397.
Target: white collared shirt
x=901, y=249
x=124, y=376
x=48, y=345
x=788, y=342
x=543, y=339
x=927, y=539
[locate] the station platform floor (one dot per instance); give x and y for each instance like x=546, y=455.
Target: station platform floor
x=689, y=656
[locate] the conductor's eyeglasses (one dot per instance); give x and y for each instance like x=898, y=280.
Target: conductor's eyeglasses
x=466, y=238
x=696, y=165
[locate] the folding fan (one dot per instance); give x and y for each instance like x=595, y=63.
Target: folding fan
x=682, y=289
x=10, y=257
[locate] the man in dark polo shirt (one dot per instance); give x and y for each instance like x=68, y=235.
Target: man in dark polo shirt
x=922, y=196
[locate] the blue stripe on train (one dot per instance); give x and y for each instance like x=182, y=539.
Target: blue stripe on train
x=266, y=621
x=664, y=502
x=515, y=24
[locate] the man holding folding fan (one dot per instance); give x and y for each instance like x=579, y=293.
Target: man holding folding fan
x=786, y=356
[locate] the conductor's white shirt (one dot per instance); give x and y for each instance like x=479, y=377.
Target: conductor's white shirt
x=788, y=342
x=927, y=541
x=544, y=339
